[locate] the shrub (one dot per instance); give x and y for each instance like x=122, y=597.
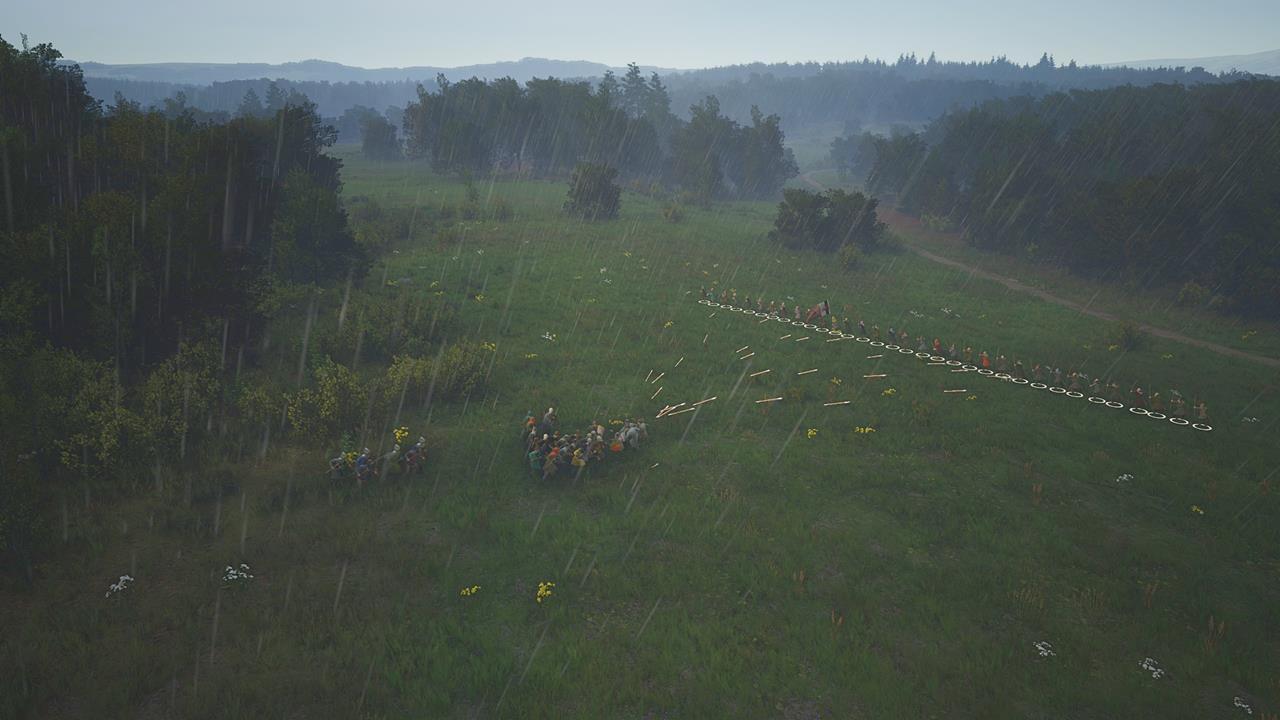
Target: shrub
x=177, y=393
x=593, y=192
x=463, y=367
x=408, y=374
x=501, y=210
x=256, y=405
x=386, y=322
x=672, y=212
x=1129, y=336
x=1193, y=294
x=336, y=403
x=849, y=256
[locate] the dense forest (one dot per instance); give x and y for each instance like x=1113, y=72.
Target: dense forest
x=143, y=252
x=548, y=126
x=865, y=92
x=1160, y=185
x=907, y=90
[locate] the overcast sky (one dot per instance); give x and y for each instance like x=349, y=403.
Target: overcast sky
x=668, y=33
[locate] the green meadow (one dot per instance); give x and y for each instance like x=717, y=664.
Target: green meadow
x=900, y=555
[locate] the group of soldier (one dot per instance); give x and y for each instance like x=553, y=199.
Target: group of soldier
x=1175, y=405
x=550, y=452
x=366, y=466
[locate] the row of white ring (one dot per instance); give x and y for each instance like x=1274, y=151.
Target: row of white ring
x=969, y=368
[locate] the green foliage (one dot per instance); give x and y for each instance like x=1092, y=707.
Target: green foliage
x=850, y=256
x=309, y=236
x=1192, y=294
x=672, y=212
x=377, y=229
x=853, y=156
x=333, y=405
x=388, y=321
x=593, y=192
x=827, y=221
x=550, y=126
x=177, y=393
x=257, y=404
x=1124, y=206
x=378, y=140
x=1129, y=336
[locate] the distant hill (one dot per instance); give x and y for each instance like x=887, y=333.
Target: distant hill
x=1263, y=63
x=325, y=71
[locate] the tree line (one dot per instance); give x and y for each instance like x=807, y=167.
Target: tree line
x=549, y=126
x=144, y=251
x=1159, y=185
x=867, y=92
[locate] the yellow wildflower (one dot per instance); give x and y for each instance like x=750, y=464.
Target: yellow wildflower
x=812, y=433
x=544, y=591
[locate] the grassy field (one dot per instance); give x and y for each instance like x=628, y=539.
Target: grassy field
x=751, y=560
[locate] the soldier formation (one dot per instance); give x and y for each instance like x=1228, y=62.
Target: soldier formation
x=1174, y=404
x=550, y=452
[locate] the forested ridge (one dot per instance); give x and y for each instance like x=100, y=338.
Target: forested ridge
x=908, y=89
x=1160, y=185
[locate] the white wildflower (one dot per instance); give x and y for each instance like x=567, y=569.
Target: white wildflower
x=1153, y=667
x=1045, y=649
x=1240, y=703
x=120, y=585
x=237, y=575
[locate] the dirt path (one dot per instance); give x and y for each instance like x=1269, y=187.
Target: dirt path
x=901, y=222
